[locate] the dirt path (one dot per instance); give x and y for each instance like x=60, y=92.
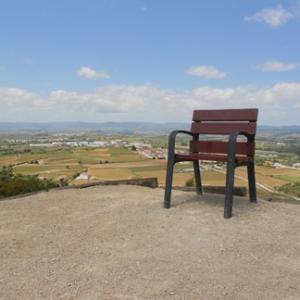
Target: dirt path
x=119, y=243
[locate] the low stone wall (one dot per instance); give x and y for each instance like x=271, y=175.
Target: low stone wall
x=147, y=182
x=152, y=182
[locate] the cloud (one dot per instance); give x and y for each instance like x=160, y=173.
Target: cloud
x=18, y=97
x=278, y=104
x=90, y=73
x=276, y=66
x=206, y=71
x=274, y=17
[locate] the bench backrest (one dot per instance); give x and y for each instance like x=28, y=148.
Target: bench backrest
x=223, y=122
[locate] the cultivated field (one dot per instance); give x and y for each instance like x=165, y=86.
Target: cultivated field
x=122, y=163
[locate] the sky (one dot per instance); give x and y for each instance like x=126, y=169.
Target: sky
x=148, y=60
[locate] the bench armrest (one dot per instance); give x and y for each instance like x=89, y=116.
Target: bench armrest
x=232, y=143
x=172, y=140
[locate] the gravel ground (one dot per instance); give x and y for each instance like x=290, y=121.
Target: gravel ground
x=117, y=242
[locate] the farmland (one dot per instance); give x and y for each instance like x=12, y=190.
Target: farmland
x=77, y=156
x=123, y=163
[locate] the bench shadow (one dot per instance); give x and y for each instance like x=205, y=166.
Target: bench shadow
x=211, y=201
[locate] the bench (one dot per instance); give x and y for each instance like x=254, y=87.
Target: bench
x=230, y=122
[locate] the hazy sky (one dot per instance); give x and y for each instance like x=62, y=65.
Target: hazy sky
x=148, y=60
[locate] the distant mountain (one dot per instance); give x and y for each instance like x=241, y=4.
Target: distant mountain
x=119, y=127
x=132, y=128
x=280, y=133
x=282, y=129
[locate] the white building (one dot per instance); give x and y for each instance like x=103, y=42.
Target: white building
x=83, y=176
x=278, y=165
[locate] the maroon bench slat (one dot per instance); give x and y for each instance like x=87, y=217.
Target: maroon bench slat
x=248, y=114
x=207, y=156
x=220, y=147
x=223, y=128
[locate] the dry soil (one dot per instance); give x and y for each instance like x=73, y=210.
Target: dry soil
x=119, y=243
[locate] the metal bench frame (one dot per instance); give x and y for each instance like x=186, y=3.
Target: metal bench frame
x=213, y=126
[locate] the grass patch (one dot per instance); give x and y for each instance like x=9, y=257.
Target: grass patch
x=291, y=178
x=290, y=188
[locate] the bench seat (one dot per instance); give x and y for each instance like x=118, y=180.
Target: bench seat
x=207, y=156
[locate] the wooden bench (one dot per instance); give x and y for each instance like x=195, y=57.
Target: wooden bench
x=230, y=122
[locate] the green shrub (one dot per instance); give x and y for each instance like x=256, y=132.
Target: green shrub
x=189, y=182
x=11, y=184
x=290, y=188
x=6, y=173
x=75, y=175
x=63, y=182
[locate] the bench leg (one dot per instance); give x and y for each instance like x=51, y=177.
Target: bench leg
x=229, y=190
x=197, y=177
x=251, y=181
x=169, y=180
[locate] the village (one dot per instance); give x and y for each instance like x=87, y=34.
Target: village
x=148, y=151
